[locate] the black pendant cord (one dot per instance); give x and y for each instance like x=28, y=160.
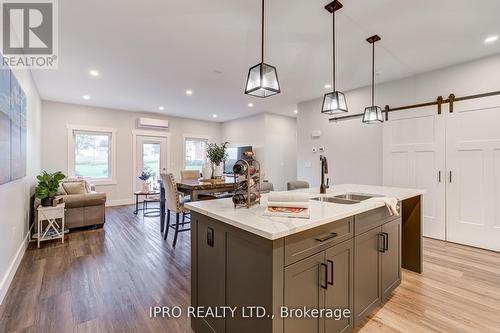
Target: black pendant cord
x=262, y=38
x=373, y=74
x=333, y=47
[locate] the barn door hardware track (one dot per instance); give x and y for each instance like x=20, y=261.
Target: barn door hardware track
x=439, y=102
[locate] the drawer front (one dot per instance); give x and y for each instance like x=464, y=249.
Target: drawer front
x=372, y=219
x=309, y=242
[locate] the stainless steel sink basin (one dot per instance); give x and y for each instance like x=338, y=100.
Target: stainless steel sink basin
x=336, y=200
x=356, y=196
x=347, y=199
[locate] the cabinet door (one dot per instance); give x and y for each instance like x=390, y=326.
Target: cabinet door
x=211, y=277
x=391, y=257
x=340, y=285
x=414, y=156
x=366, y=273
x=473, y=161
x=303, y=282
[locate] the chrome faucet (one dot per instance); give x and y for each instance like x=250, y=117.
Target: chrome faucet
x=324, y=170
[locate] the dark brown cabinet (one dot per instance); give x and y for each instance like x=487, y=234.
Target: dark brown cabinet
x=391, y=258
x=321, y=281
x=377, y=266
x=339, y=294
x=353, y=263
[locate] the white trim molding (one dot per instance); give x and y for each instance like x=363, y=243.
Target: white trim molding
x=200, y=137
x=71, y=151
x=11, y=271
x=156, y=134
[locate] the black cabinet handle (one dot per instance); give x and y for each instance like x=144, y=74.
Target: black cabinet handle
x=324, y=286
x=327, y=237
x=386, y=241
x=451, y=177
x=381, y=249
x=332, y=265
x=210, y=237
x=439, y=176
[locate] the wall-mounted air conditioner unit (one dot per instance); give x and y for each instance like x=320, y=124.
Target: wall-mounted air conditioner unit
x=152, y=123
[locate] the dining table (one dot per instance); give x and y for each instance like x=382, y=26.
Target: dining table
x=196, y=187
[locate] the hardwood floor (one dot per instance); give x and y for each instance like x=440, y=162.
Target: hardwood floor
x=105, y=280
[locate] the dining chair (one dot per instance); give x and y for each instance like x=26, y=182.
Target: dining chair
x=190, y=174
x=266, y=187
x=174, y=205
x=296, y=184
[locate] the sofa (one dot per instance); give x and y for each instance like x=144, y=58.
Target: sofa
x=84, y=206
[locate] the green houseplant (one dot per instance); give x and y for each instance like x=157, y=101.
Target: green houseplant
x=48, y=186
x=217, y=154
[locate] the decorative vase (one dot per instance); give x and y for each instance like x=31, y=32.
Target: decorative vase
x=146, y=187
x=207, y=171
x=218, y=170
x=47, y=202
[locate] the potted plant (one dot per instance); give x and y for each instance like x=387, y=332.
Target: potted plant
x=144, y=176
x=48, y=186
x=217, y=154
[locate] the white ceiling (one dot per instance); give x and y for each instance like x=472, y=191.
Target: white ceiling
x=150, y=51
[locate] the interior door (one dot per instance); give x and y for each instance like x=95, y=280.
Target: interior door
x=151, y=156
x=473, y=177
x=414, y=156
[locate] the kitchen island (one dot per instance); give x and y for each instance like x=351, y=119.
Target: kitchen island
x=344, y=257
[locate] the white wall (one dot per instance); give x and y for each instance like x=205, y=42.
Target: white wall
x=274, y=141
x=15, y=196
x=354, y=150
x=56, y=117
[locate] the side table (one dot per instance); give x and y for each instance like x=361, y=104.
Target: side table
x=139, y=194
x=53, y=230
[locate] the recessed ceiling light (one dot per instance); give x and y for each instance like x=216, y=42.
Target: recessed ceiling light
x=214, y=116
x=161, y=108
x=94, y=72
x=491, y=39
x=250, y=105
x=86, y=97
x=328, y=86
x=295, y=111
x=189, y=92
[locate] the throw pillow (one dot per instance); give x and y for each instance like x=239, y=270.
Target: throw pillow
x=75, y=187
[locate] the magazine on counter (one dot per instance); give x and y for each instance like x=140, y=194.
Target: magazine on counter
x=297, y=212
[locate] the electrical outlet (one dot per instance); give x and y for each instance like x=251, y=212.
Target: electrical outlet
x=308, y=164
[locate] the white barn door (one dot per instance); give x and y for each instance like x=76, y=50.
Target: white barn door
x=473, y=179
x=414, y=156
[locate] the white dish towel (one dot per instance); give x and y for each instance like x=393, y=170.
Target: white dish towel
x=390, y=203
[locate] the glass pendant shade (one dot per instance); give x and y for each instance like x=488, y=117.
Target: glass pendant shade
x=373, y=115
x=262, y=81
x=334, y=103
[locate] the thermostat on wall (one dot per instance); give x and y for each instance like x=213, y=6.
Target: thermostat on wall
x=316, y=133
x=314, y=150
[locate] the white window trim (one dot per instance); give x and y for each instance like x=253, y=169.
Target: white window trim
x=185, y=137
x=135, y=134
x=71, y=152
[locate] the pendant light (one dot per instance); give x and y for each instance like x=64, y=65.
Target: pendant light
x=334, y=102
x=373, y=113
x=262, y=78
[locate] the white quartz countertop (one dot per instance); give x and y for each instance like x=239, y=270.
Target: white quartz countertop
x=252, y=219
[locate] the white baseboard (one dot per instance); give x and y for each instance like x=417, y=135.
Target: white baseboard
x=120, y=202
x=11, y=271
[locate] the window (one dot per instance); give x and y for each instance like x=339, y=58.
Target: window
x=195, y=153
x=91, y=154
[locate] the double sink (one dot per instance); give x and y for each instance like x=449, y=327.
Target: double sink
x=347, y=199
